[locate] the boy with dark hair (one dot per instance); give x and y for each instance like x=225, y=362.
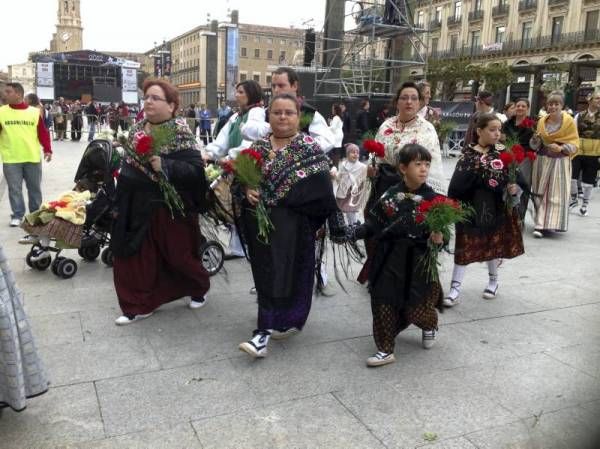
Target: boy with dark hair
x=400, y=292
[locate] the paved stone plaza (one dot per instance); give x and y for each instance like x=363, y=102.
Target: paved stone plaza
x=519, y=372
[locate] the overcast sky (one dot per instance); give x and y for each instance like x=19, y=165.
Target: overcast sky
x=128, y=25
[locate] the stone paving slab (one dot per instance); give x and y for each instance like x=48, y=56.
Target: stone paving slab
x=98, y=359
x=315, y=422
x=170, y=396
x=530, y=384
x=569, y=428
x=181, y=436
x=63, y=415
x=401, y=414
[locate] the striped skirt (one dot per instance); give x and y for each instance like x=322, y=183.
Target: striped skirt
x=551, y=188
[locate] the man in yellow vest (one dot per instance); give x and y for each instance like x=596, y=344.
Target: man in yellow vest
x=22, y=132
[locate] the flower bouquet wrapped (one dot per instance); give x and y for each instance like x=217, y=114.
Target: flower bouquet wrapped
x=375, y=149
x=144, y=147
x=247, y=170
x=438, y=215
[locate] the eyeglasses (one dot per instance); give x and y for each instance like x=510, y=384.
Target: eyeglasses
x=153, y=98
x=289, y=113
x=407, y=98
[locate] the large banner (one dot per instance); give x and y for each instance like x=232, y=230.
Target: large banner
x=129, y=77
x=232, y=62
x=45, y=74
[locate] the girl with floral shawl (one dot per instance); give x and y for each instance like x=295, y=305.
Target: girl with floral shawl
x=557, y=141
x=297, y=189
x=156, y=256
x=480, y=180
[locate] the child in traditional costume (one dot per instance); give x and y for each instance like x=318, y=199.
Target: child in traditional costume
x=493, y=233
x=401, y=292
x=352, y=186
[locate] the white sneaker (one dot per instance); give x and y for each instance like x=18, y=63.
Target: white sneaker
x=253, y=291
x=14, y=222
x=453, y=296
x=257, y=347
x=197, y=303
x=29, y=240
x=538, y=234
x=285, y=333
x=124, y=319
x=428, y=338
x=488, y=293
x=381, y=358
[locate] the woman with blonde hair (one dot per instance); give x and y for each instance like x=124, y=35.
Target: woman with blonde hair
x=556, y=141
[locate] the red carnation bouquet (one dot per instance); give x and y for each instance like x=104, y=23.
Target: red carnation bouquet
x=527, y=123
x=511, y=158
x=376, y=149
x=438, y=215
x=247, y=170
x=144, y=147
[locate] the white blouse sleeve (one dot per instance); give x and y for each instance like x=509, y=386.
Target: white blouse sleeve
x=336, y=129
x=218, y=147
x=436, y=178
x=255, y=127
x=319, y=131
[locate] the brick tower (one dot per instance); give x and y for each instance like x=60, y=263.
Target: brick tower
x=69, y=32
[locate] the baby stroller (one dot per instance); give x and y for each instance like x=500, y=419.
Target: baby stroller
x=95, y=174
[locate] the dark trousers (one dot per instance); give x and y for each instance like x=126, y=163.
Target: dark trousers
x=587, y=167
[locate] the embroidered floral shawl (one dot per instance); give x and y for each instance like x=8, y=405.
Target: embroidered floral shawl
x=282, y=169
x=419, y=131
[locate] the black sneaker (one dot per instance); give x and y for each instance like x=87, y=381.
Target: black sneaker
x=257, y=347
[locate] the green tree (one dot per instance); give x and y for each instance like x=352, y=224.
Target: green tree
x=497, y=76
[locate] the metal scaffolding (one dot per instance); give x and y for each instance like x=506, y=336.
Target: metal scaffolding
x=372, y=49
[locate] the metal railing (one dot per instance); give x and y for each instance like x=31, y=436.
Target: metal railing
x=454, y=20
x=526, y=5
x=500, y=10
x=535, y=43
x=435, y=23
x=475, y=15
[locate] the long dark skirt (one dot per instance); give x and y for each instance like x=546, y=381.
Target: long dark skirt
x=166, y=267
x=284, y=270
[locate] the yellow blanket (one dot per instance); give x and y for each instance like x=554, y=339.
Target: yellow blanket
x=70, y=206
x=567, y=132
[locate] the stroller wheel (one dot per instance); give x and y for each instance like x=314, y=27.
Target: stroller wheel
x=55, y=263
x=40, y=264
x=212, y=255
x=89, y=253
x=107, y=257
x=66, y=268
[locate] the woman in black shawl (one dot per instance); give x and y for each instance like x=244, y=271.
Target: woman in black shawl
x=156, y=255
x=296, y=187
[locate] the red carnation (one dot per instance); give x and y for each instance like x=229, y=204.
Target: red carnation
x=531, y=155
x=374, y=147
x=518, y=152
x=253, y=154
x=527, y=123
x=228, y=167
x=507, y=158
x=144, y=145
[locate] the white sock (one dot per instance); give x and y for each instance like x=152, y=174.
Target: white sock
x=458, y=274
x=493, y=274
